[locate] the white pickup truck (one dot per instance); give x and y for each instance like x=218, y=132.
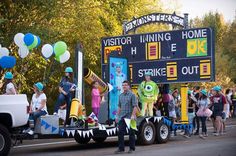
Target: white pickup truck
x=14, y=113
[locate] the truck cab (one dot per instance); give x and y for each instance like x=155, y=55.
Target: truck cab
x=14, y=113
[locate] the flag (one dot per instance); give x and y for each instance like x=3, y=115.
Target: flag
x=93, y=116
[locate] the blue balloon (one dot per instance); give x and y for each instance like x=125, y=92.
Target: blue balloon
x=39, y=41
x=7, y=61
x=28, y=39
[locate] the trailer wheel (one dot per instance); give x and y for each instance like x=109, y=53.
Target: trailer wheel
x=5, y=140
x=147, y=133
x=163, y=133
x=99, y=139
x=81, y=140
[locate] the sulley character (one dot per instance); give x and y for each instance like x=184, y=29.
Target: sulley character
x=116, y=80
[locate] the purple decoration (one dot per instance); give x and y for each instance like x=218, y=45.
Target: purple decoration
x=114, y=112
x=112, y=76
x=113, y=65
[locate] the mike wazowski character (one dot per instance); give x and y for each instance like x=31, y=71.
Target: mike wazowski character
x=148, y=93
x=116, y=80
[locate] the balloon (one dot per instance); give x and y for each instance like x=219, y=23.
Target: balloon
x=34, y=44
x=47, y=50
x=64, y=57
x=28, y=39
x=7, y=61
x=60, y=48
x=39, y=41
x=19, y=39
x=57, y=58
x=4, y=52
x=23, y=51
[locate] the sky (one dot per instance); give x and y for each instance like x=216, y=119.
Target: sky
x=200, y=7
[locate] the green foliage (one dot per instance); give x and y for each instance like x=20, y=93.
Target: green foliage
x=225, y=55
x=86, y=21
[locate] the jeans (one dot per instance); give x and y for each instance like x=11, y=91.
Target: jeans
x=60, y=100
x=190, y=121
x=122, y=129
x=203, y=120
x=35, y=115
x=177, y=111
x=196, y=121
x=234, y=111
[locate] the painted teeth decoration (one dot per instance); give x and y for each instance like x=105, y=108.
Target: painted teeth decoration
x=111, y=131
x=81, y=133
x=101, y=127
x=157, y=119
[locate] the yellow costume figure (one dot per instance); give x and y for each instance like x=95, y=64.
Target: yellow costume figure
x=148, y=92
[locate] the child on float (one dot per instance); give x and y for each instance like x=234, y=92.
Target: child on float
x=8, y=85
x=96, y=98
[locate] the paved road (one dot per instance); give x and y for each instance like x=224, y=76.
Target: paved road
x=178, y=146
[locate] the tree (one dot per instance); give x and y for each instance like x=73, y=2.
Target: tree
x=224, y=61
x=84, y=21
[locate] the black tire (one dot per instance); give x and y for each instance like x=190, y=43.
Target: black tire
x=163, y=133
x=147, y=133
x=5, y=140
x=99, y=139
x=81, y=140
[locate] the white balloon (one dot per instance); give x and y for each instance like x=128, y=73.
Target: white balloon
x=23, y=51
x=47, y=50
x=65, y=57
x=4, y=52
x=19, y=39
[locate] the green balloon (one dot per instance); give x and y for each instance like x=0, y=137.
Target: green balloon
x=34, y=44
x=60, y=48
x=57, y=58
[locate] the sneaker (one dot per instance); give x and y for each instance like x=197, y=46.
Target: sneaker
x=186, y=136
x=26, y=130
x=205, y=135
x=55, y=113
x=216, y=134
x=196, y=133
x=119, y=151
x=31, y=132
x=130, y=151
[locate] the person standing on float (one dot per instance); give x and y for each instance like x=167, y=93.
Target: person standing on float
x=148, y=92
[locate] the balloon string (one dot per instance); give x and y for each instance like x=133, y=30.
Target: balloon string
x=46, y=76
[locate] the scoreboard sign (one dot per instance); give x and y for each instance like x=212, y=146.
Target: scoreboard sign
x=172, y=56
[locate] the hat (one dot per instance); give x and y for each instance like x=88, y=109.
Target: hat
x=148, y=73
x=189, y=92
x=204, y=92
x=39, y=86
x=216, y=88
x=69, y=70
x=8, y=75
